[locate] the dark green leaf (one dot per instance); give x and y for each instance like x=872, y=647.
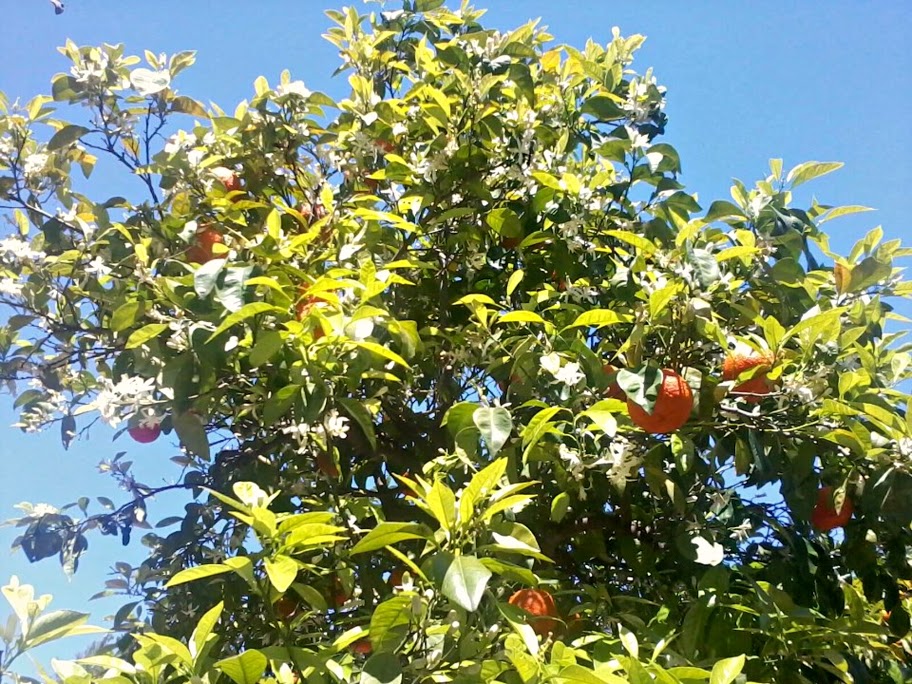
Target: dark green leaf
x=66, y=136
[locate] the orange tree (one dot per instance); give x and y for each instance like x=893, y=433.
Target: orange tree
x=463, y=385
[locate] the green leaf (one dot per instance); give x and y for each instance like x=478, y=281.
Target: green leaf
x=245, y=312
x=521, y=317
x=312, y=535
x=144, y=334
x=281, y=572
x=442, y=503
x=660, y=299
x=54, y=625
x=66, y=136
x=538, y=427
x=388, y=620
x=199, y=572
x=148, y=82
x=380, y=350
x=726, y=671
x=206, y=277
x=514, y=281
x=495, y=425
x=560, y=506
x=389, y=533
x=192, y=434
x=641, y=386
x=382, y=668
x=463, y=580
x=246, y=668
x=577, y=674
x=267, y=345
x=810, y=170
x=204, y=628
x=721, y=210
x=482, y=484
x=603, y=108
x=597, y=318
x=278, y=403
x=504, y=222
x=126, y=315
x=187, y=105
x=361, y=416
x=837, y=212
x=706, y=266
x=274, y=224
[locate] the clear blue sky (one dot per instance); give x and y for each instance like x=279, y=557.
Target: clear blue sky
x=746, y=81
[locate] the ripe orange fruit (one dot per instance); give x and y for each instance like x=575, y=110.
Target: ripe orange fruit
x=384, y=146
x=395, y=578
x=510, y=242
x=228, y=178
x=737, y=363
x=539, y=604
x=672, y=406
x=145, y=434
x=286, y=607
x=305, y=302
x=362, y=647
x=326, y=465
x=201, y=250
x=614, y=390
x=339, y=595
x=825, y=517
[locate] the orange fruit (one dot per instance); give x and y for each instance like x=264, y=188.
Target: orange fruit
x=228, y=178
x=338, y=595
x=326, y=465
x=362, y=647
x=305, y=302
x=395, y=578
x=201, y=250
x=286, y=607
x=672, y=406
x=539, y=604
x=614, y=390
x=144, y=434
x=736, y=364
x=510, y=242
x=825, y=517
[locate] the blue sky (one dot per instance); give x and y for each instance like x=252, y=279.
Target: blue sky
x=746, y=81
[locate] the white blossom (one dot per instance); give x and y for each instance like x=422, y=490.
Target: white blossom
x=10, y=286
x=15, y=250
x=293, y=88
x=97, y=267
x=35, y=163
x=708, y=553
x=126, y=397
x=336, y=425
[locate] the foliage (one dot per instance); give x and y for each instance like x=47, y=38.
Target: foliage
x=393, y=335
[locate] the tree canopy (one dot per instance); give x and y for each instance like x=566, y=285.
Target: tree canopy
x=463, y=385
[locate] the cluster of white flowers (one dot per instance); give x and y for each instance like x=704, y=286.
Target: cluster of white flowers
x=295, y=88
x=640, y=103
x=10, y=286
x=16, y=251
x=120, y=400
x=91, y=71
x=807, y=387
x=333, y=425
x=34, y=164
x=569, y=374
